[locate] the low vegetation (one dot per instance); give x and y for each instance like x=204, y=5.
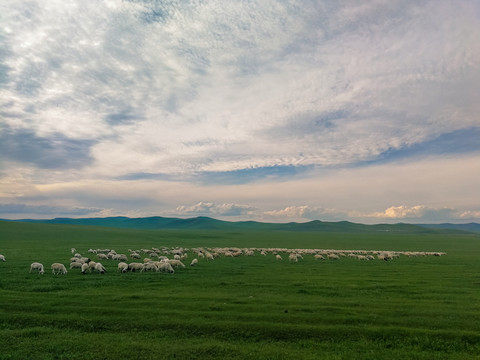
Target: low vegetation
x=240, y=307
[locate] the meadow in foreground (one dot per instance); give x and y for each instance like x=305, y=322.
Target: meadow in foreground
x=250, y=307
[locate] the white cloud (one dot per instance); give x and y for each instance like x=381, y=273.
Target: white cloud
x=212, y=209
x=306, y=212
x=424, y=213
x=193, y=73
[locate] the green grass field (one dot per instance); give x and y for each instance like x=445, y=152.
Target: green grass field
x=240, y=308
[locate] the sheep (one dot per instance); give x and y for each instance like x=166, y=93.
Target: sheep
x=165, y=267
x=135, y=266
x=76, y=265
x=120, y=257
x=2, y=257
x=278, y=257
x=123, y=267
x=102, y=256
x=177, y=257
x=150, y=266
x=333, y=257
x=100, y=268
x=37, y=266
x=73, y=250
x=58, y=268
x=319, y=257
x=85, y=267
x=194, y=262
x=176, y=263
x=293, y=257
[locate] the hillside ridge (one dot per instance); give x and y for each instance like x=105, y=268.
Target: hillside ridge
x=208, y=223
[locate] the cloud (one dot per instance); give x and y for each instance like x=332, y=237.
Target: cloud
x=53, y=152
x=157, y=76
x=424, y=213
x=306, y=212
x=45, y=210
x=329, y=105
x=212, y=209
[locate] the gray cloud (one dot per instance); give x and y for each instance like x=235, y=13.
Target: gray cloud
x=45, y=210
x=53, y=152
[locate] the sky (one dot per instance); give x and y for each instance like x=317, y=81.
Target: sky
x=262, y=110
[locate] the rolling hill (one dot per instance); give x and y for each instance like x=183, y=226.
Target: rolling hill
x=207, y=223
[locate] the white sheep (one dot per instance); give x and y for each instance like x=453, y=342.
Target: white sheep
x=2, y=257
x=92, y=265
x=293, y=257
x=73, y=250
x=194, y=262
x=58, y=268
x=100, y=268
x=333, y=256
x=102, y=256
x=176, y=263
x=37, y=266
x=135, y=266
x=278, y=257
x=85, y=267
x=150, y=266
x=76, y=265
x=165, y=267
x=123, y=267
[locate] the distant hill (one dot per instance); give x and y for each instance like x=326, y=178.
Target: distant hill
x=207, y=223
x=470, y=227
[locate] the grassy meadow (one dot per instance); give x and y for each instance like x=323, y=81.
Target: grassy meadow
x=249, y=307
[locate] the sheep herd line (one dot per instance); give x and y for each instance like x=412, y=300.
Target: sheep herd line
x=169, y=259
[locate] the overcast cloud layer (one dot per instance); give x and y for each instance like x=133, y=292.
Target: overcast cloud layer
x=263, y=110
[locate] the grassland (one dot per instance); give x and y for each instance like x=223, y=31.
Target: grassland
x=240, y=308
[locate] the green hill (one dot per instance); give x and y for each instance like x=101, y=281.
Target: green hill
x=207, y=223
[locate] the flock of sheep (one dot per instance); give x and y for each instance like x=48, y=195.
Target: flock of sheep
x=169, y=259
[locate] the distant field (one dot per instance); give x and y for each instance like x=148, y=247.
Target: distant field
x=240, y=308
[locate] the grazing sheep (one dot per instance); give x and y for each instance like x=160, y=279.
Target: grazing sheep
x=123, y=267
x=58, y=268
x=100, y=268
x=102, y=256
x=150, y=266
x=73, y=250
x=2, y=257
x=92, y=265
x=135, y=266
x=176, y=263
x=85, y=267
x=165, y=267
x=319, y=257
x=194, y=262
x=333, y=257
x=278, y=257
x=37, y=266
x=293, y=257
x=76, y=265
x=135, y=256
